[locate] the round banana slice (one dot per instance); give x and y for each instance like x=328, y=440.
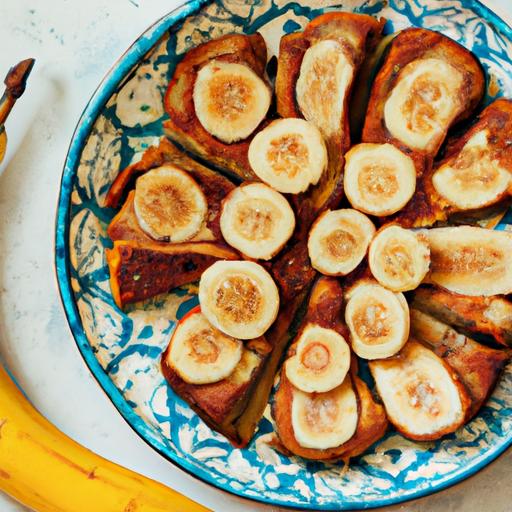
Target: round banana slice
x=420, y=392
x=338, y=241
x=423, y=103
x=240, y=298
x=200, y=353
x=289, y=155
x=230, y=100
x=325, y=420
x=321, y=360
x=325, y=77
x=169, y=204
x=399, y=258
x=379, y=179
x=474, y=178
x=378, y=320
x=256, y=220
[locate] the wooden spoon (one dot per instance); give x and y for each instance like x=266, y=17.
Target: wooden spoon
x=15, y=83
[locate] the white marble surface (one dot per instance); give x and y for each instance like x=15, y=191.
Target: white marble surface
x=75, y=43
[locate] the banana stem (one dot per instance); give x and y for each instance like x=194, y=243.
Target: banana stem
x=15, y=83
x=47, y=471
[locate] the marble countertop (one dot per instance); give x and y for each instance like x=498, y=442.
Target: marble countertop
x=75, y=43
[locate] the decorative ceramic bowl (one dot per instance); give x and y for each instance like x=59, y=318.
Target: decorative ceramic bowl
x=123, y=349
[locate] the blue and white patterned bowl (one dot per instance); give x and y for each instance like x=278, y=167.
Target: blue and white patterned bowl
x=122, y=350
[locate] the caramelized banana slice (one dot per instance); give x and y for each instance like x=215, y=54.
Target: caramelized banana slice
x=256, y=220
x=338, y=241
x=477, y=366
x=240, y=298
x=321, y=360
x=200, y=353
x=470, y=260
x=324, y=420
x=399, y=258
x=326, y=74
x=169, y=204
x=289, y=155
x=474, y=178
x=422, y=395
x=230, y=100
x=424, y=101
x=378, y=320
x=379, y=178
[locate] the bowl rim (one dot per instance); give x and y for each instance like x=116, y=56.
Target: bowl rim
x=114, y=77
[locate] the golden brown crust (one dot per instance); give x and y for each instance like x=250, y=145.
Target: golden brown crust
x=372, y=423
x=412, y=44
x=473, y=315
x=141, y=271
x=184, y=126
x=477, y=366
x=324, y=308
x=357, y=33
x=292, y=270
x=399, y=359
x=426, y=207
x=497, y=118
x=282, y=414
x=124, y=225
x=219, y=404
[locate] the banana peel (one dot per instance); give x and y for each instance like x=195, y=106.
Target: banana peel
x=47, y=471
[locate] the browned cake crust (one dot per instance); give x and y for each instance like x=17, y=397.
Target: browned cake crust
x=184, y=127
x=221, y=403
x=371, y=426
x=425, y=207
x=473, y=315
x=141, y=271
x=477, y=366
x=324, y=308
x=124, y=225
x=419, y=43
x=363, y=32
x=430, y=206
x=496, y=118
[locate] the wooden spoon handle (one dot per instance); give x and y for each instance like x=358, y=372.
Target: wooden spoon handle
x=15, y=83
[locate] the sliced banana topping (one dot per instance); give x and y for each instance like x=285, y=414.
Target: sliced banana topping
x=399, y=258
x=419, y=393
x=169, y=204
x=474, y=178
x=240, y=298
x=378, y=320
x=423, y=103
x=379, y=179
x=470, y=260
x=256, y=220
x=325, y=420
x=289, y=155
x=338, y=241
x=200, y=353
x=326, y=74
x=230, y=100
x=321, y=360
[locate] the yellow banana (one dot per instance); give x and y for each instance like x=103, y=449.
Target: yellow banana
x=49, y=472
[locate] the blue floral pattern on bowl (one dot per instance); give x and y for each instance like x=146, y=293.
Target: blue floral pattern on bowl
x=123, y=349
